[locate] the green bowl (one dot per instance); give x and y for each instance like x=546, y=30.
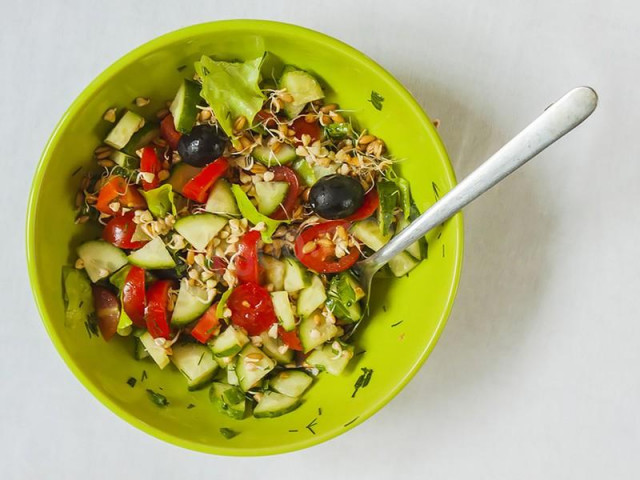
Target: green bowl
x=408, y=314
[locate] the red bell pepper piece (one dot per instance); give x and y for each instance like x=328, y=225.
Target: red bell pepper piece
x=169, y=133
x=116, y=189
x=156, y=314
x=149, y=163
x=207, y=325
x=246, y=261
x=198, y=187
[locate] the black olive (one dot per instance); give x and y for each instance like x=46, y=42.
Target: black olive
x=202, y=145
x=336, y=196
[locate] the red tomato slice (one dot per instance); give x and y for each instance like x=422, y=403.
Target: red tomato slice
x=251, y=308
x=285, y=174
x=198, y=187
x=133, y=296
x=301, y=127
x=119, y=230
x=156, y=315
x=149, y=163
x=169, y=133
x=117, y=189
x=246, y=261
x=323, y=259
x=290, y=339
x=369, y=205
x=107, y=309
x=207, y=326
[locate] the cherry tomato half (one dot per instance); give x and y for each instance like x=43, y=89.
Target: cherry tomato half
x=198, y=187
x=285, y=174
x=369, y=205
x=290, y=339
x=301, y=127
x=149, y=163
x=169, y=133
x=133, y=296
x=116, y=189
x=156, y=314
x=323, y=259
x=251, y=308
x=246, y=261
x=119, y=230
x=107, y=309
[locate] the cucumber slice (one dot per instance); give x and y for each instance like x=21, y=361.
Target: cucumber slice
x=276, y=349
x=122, y=132
x=315, y=330
x=252, y=365
x=283, y=309
x=229, y=342
x=292, y=383
x=124, y=160
x=368, y=232
x=140, y=353
x=304, y=171
x=101, y=259
x=331, y=360
x=153, y=255
x=199, y=229
x=232, y=377
x=184, y=107
x=195, y=362
x=285, y=154
x=303, y=87
x=156, y=352
x=319, y=171
x=296, y=276
x=402, y=264
x=221, y=200
x=142, y=138
x=229, y=400
x=270, y=195
x=192, y=302
x=418, y=249
x=181, y=174
x=274, y=404
x=311, y=297
x=273, y=271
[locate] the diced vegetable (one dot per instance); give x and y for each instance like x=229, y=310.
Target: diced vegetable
x=331, y=358
x=196, y=363
x=229, y=342
x=343, y=297
x=292, y=383
x=184, y=107
x=78, y=297
x=221, y=200
x=270, y=195
x=122, y=132
x=251, y=366
x=192, y=302
x=304, y=89
x=160, y=201
x=199, y=229
x=153, y=255
x=229, y=400
x=274, y=404
x=143, y=137
x=315, y=330
x=311, y=297
x=276, y=349
x=296, y=276
x=283, y=309
x=265, y=155
x=273, y=270
x=249, y=212
x=101, y=259
x=156, y=352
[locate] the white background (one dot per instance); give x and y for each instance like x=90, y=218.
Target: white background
x=537, y=374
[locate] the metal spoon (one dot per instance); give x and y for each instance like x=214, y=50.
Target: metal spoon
x=557, y=120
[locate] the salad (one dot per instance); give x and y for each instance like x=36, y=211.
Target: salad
x=229, y=223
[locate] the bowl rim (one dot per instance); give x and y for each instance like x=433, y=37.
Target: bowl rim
x=108, y=74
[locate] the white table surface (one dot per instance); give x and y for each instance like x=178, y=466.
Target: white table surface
x=537, y=374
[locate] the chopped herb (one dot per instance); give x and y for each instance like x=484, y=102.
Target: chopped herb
x=397, y=323
x=349, y=423
x=293, y=431
x=132, y=382
x=436, y=190
x=362, y=381
x=360, y=353
x=144, y=376
x=443, y=251
x=319, y=411
x=228, y=433
x=384, y=308
x=157, y=398
x=190, y=406
x=312, y=424
x=91, y=324
x=439, y=235
x=376, y=100
x=76, y=171
x=181, y=68
x=201, y=357
x=426, y=249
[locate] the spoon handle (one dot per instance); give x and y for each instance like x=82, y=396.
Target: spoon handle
x=557, y=120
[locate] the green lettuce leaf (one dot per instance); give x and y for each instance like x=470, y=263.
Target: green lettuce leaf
x=231, y=89
x=78, y=297
x=249, y=211
x=160, y=201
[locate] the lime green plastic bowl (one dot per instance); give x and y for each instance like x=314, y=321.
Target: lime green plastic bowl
x=408, y=314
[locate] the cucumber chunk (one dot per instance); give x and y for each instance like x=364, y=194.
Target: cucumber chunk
x=192, y=302
x=221, y=200
x=330, y=359
x=292, y=383
x=181, y=174
x=195, y=362
x=315, y=330
x=311, y=297
x=418, y=249
x=184, y=107
x=402, y=264
x=343, y=297
x=270, y=195
x=153, y=255
x=229, y=342
x=296, y=276
x=368, y=232
x=199, y=229
x=142, y=138
x=122, y=132
x=273, y=271
x=284, y=310
x=101, y=259
x=125, y=161
x=229, y=400
x=251, y=366
x=156, y=352
x=304, y=171
x=274, y=404
x=303, y=87
x=285, y=154
x=319, y=171
x=140, y=353
x=276, y=349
